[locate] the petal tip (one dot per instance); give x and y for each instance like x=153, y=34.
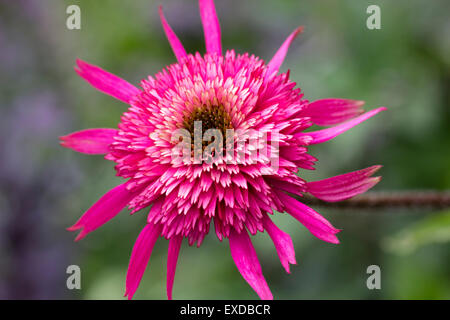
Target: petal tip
x=73, y=228
x=375, y=168
x=375, y=180
x=81, y=235
x=299, y=30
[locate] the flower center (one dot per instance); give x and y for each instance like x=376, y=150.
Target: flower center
x=214, y=117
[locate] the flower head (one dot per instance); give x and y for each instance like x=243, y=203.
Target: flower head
x=216, y=139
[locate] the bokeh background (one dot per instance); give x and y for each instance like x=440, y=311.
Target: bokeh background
x=45, y=188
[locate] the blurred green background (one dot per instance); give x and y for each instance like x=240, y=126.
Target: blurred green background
x=44, y=188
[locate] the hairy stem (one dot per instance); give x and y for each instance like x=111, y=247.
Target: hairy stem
x=379, y=200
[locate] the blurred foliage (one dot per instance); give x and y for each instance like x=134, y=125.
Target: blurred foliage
x=433, y=229
x=404, y=66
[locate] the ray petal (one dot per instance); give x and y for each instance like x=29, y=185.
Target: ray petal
x=313, y=221
x=246, y=261
x=90, y=141
x=175, y=43
x=211, y=26
x=106, y=82
x=172, y=258
x=274, y=65
x=140, y=256
x=106, y=208
x=282, y=241
x=330, y=133
x=344, y=186
x=331, y=111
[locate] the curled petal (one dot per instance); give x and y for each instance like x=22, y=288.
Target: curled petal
x=246, y=261
x=344, y=186
x=90, y=141
x=313, y=221
x=172, y=258
x=106, y=82
x=327, y=112
x=274, y=65
x=106, y=208
x=211, y=26
x=142, y=250
x=283, y=243
x=175, y=43
x=330, y=133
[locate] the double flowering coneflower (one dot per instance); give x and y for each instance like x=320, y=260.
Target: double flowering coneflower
x=238, y=194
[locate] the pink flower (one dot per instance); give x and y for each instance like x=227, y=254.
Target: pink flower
x=229, y=91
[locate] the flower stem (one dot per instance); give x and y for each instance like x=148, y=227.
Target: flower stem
x=379, y=200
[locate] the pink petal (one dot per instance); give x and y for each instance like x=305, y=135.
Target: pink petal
x=283, y=243
x=211, y=26
x=106, y=82
x=172, y=258
x=140, y=256
x=329, y=133
x=175, y=43
x=90, y=141
x=246, y=261
x=313, y=221
x=274, y=65
x=344, y=186
x=106, y=208
x=327, y=112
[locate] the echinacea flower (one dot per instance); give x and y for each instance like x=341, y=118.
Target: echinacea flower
x=237, y=92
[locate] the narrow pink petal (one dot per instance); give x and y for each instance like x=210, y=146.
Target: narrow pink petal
x=106, y=208
x=175, y=43
x=106, y=82
x=90, y=141
x=321, y=234
x=313, y=221
x=274, y=65
x=172, y=258
x=246, y=261
x=330, y=133
x=211, y=26
x=327, y=112
x=283, y=243
x=142, y=250
x=344, y=186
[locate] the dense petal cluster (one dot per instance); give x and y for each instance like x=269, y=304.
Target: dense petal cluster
x=187, y=198
x=239, y=190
